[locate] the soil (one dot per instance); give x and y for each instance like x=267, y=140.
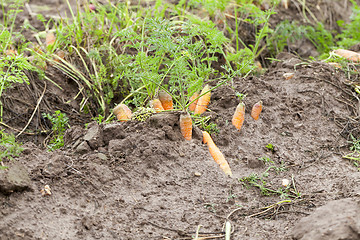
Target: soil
x=142, y=180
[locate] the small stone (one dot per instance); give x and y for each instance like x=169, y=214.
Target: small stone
x=197, y=174
x=83, y=148
x=288, y=76
x=285, y=182
x=94, y=136
x=102, y=156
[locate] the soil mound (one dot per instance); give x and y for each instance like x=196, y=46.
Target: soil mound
x=141, y=180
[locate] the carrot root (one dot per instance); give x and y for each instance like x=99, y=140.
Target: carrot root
x=203, y=101
x=156, y=104
x=166, y=100
x=186, y=126
x=122, y=112
x=192, y=106
x=50, y=38
x=217, y=154
x=239, y=116
x=349, y=55
x=256, y=110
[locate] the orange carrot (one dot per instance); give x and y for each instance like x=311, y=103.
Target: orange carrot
x=156, y=104
x=203, y=101
x=256, y=110
x=217, y=154
x=239, y=116
x=349, y=55
x=258, y=65
x=50, y=38
x=166, y=100
x=122, y=112
x=186, y=125
x=10, y=52
x=192, y=106
x=61, y=54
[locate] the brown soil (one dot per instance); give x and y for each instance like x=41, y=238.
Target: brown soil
x=141, y=180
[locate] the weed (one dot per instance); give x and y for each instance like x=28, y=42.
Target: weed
x=9, y=148
x=231, y=196
x=355, y=151
x=241, y=96
x=210, y=207
x=100, y=119
x=277, y=168
x=260, y=181
x=203, y=122
x=254, y=180
x=59, y=123
x=270, y=147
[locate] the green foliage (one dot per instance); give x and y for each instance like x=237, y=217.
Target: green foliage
x=243, y=59
x=320, y=37
x=350, y=34
x=9, y=148
x=12, y=70
x=7, y=24
x=260, y=20
x=289, y=32
x=167, y=54
x=59, y=123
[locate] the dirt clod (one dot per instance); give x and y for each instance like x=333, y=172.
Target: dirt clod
x=15, y=178
x=339, y=219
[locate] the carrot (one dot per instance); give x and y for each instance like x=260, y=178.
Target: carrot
x=239, y=116
x=186, y=125
x=50, y=38
x=122, y=112
x=217, y=154
x=258, y=65
x=192, y=106
x=256, y=110
x=10, y=52
x=203, y=101
x=166, y=100
x=156, y=104
x=349, y=55
x=61, y=54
